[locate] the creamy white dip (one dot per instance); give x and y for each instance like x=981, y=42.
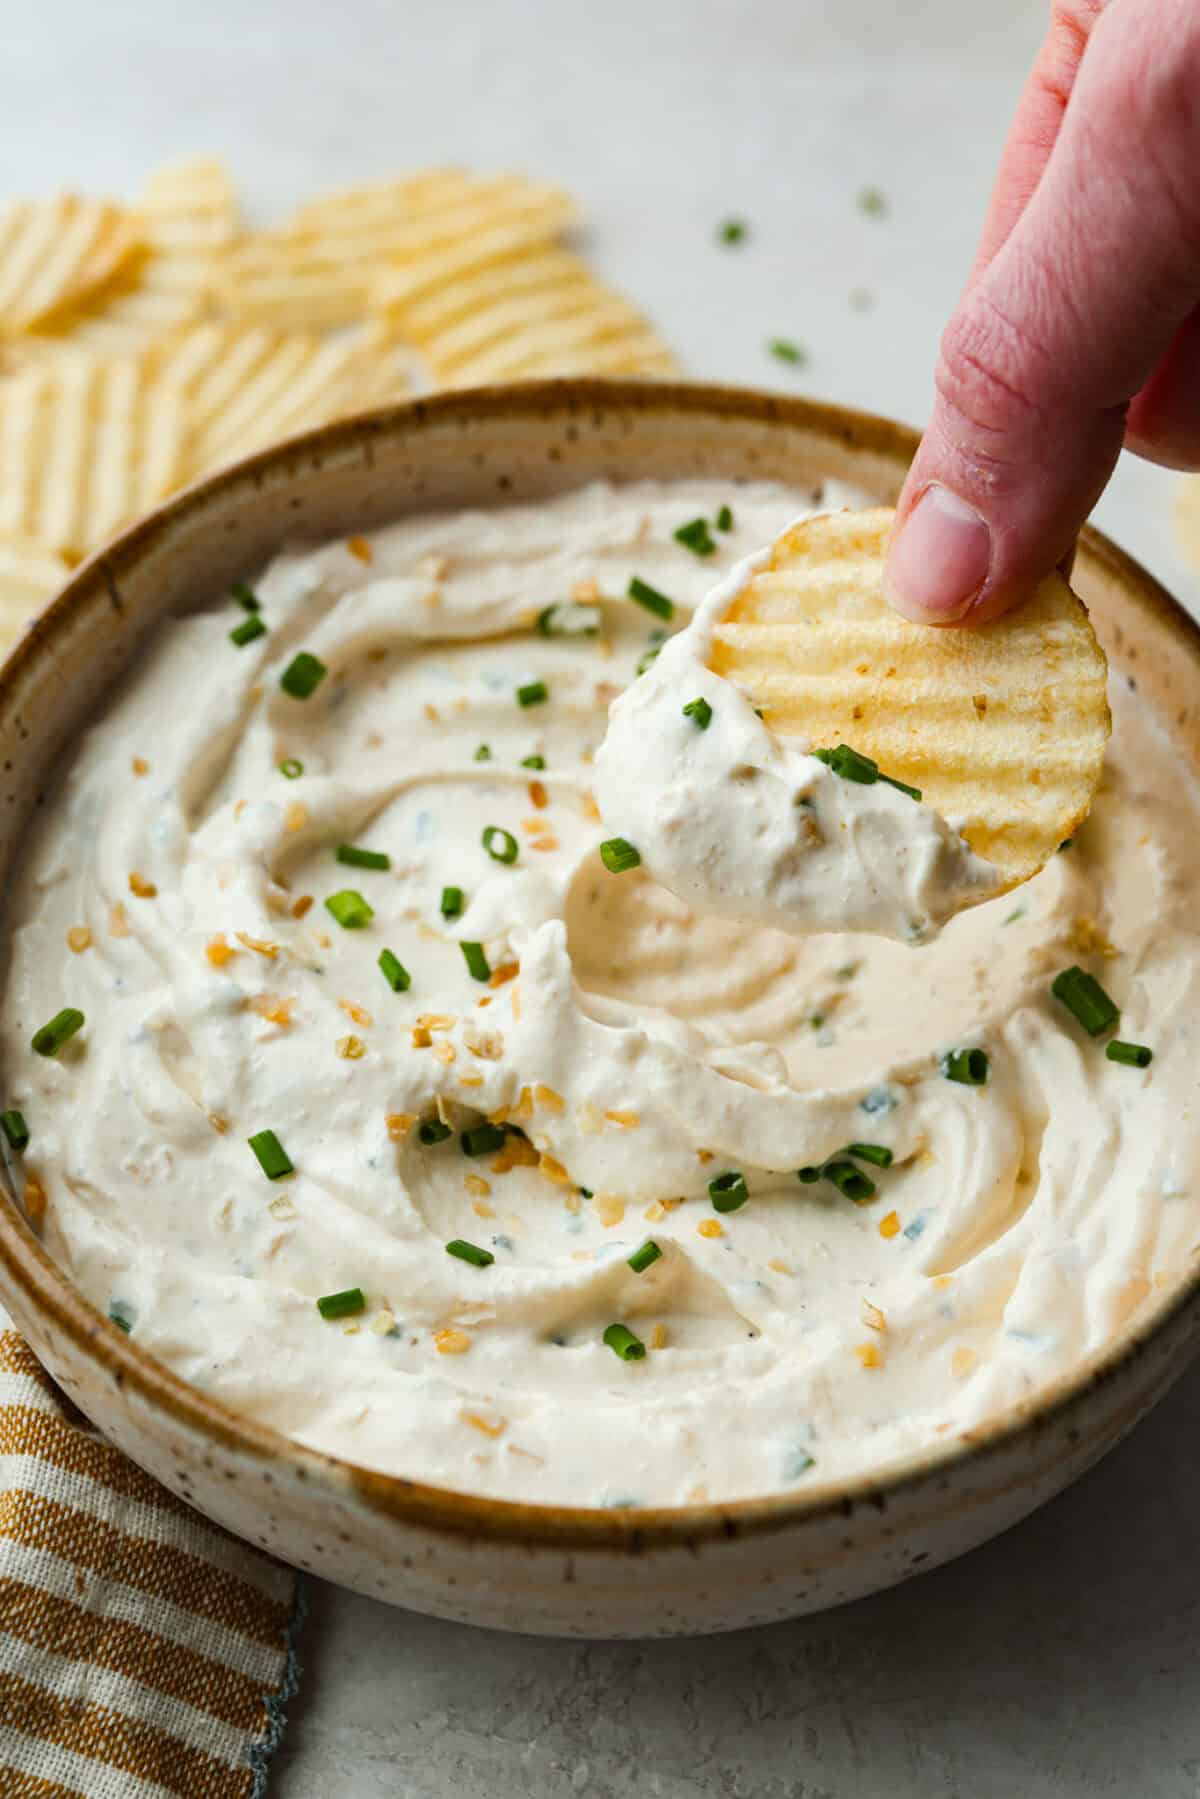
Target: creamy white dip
x=645, y=1048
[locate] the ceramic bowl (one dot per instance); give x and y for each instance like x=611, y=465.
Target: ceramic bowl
x=644, y=1572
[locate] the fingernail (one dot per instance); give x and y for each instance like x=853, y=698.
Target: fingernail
x=938, y=560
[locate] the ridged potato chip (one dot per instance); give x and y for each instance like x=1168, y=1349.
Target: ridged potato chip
x=53, y=253
x=29, y=578
x=1001, y=727
x=478, y=312
x=187, y=219
x=85, y=446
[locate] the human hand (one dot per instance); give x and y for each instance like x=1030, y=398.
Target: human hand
x=1079, y=327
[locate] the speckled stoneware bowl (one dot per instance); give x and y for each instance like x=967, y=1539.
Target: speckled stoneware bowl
x=646, y=1572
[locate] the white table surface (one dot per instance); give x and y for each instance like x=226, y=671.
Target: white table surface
x=1060, y=1660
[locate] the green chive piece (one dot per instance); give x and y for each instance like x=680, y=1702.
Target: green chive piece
x=61, y=1028
x=696, y=537
x=484, y=753
x=15, y=1129
x=354, y=857
x=732, y=231
x=569, y=619
x=534, y=693
x=808, y=1175
x=470, y=1252
x=622, y=1342
x=728, y=1191
x=244, y=594
x=785, y=350
x=725, y=519
x=651, y=599
x=645, y=1257
x=350, y=909
x=864, y=769
x=618, y=856
x=700, y=712
x=647, y=657
x=120, y=1315
x=969, y=1067
x=248, y=630
x=477, y=963
x=849, y=1180
x=482, y=1139
x=1066, y=844
x=344, y=1304
x=500, y=845
x=872, y=202
x=878, y=1153
x=303, y=675
x=394, y=972
x=290, y=769
x=452, y=901
x=1134, y=1055
x=533, y=762
x=1082, y=995
x=273, y=1158
x=431, y=1131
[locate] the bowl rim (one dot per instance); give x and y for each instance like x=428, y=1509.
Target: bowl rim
x=53, y=1297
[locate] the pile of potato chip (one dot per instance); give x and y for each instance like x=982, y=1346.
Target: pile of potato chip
x=144, y=346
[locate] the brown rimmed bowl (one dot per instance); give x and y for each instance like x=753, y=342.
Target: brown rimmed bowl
x=575, y=1572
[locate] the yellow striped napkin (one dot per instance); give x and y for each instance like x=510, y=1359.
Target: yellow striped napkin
x=144, y=1653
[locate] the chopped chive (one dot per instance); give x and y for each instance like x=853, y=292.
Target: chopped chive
x=248, y=630
x=647, y=657
x=622, y=1342
x=849, y=1180
x=650, y=598
x=354, y=857
x=872, y=202
x=696, y=537
x=120, y=1315
x=244, y=594
x=291, y=769
x=452, y=901
x=273, y=1159
x=785, y=350
x=852, y=766
x=732, y=231
x=500, y=845
x=533, y=693
x=477, y=963
x=470, y=1252
x=342, y=1305
x=969, y=1067
x=618, y=856
x=62, y=1027
x=394, y=972
x=482, y=1139
x=1134, y=1055
x=700, y=712
x=1066, y=844
x=350, y=909
x=303, y=675
x=808, y=1175
x=645, y=1257
x=569, y=619
x=533, y=762
x=1082, y=995
x=878, y=1153
x=728, y=1191
x=431, y=1131
x=15, y=1129
x=484, y=753
x=725, y=519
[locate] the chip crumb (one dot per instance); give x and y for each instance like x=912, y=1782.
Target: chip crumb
x=261, y=946
x=140, y=765
x=302, y=905
x=118, y=920
x=79, y=938
x=553, y=1170
x=445, y=1053
x=658, y=1337
x=538, y=795
x=359, y=1014
x=627, y=1120
x=710, y=1227
x=779, y=1266
x=489, y=1427
x=275, y=1011
x=34, y=1199
x=296, y=817
x=451, y=1342
x=420, y=1037
x=358, y=546
x=351, y=1049
x=548, y=1098
x=868, y=1355
x=219, y=1122
x=962, y=1362
x=141, y=887
x=507, y=971
x=873, y=1317
x=609, y=1209
x=399, y=1124
x=890, y=1226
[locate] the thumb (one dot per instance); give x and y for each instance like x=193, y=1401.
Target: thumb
x=1060, y=330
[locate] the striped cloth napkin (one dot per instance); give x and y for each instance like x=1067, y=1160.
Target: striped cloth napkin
x=144, y=1653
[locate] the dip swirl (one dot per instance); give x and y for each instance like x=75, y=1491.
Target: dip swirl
x=627, y=1048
